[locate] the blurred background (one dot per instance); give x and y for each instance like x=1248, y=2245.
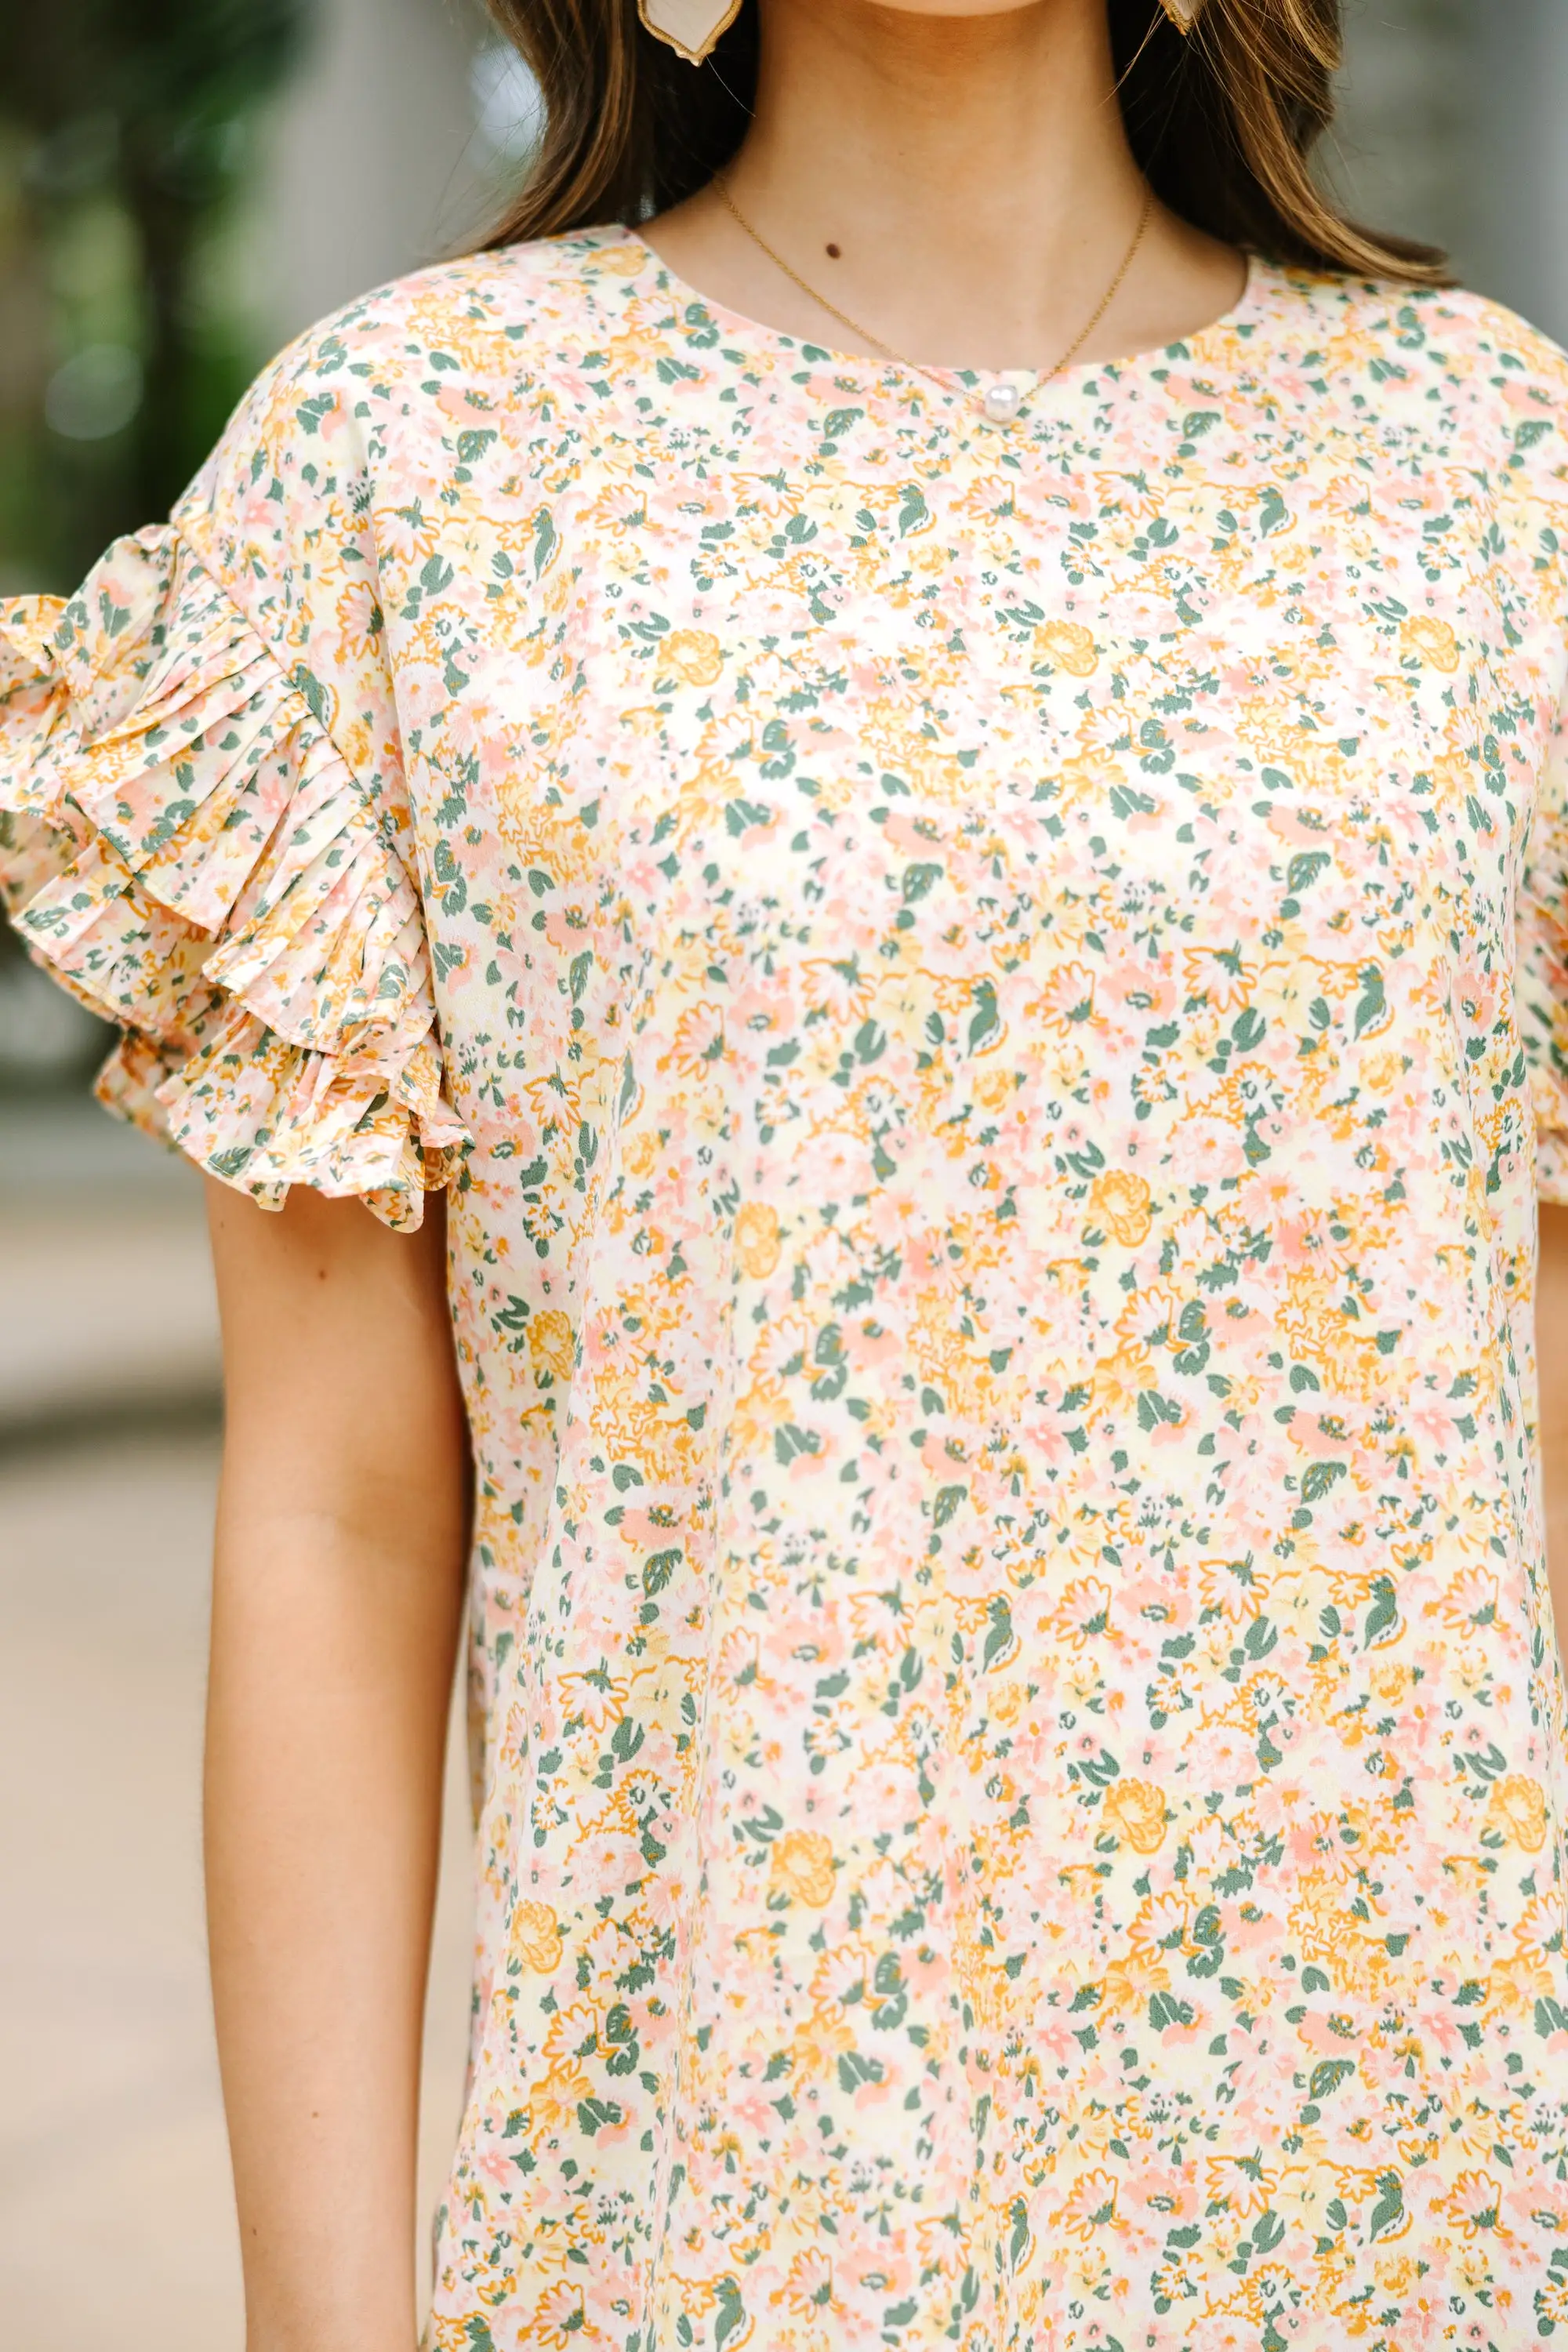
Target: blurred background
x=183, y=185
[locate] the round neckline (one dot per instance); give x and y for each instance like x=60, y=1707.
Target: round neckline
x=960, y=383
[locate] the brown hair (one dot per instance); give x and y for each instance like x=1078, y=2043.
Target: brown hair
x=1222, y=121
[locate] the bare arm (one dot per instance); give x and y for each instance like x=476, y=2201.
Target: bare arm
x=341, y=1542
x=1551, y=1355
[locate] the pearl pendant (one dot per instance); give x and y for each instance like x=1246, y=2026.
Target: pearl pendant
x=1001, y=403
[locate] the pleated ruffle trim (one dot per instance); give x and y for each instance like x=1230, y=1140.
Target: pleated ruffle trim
x=185, y=847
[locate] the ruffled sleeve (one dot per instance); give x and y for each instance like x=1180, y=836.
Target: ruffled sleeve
x=1542, y=974
x=1531, y=531
x=185, y=846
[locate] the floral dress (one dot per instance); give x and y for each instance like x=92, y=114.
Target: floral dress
x=992, y=1001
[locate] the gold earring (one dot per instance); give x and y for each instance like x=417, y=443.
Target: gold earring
x=1182, y=13
x=690, y=27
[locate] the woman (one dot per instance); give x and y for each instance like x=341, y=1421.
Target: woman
x=921, y=797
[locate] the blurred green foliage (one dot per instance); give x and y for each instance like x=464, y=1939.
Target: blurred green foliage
x=124, y=139
x=124, y=142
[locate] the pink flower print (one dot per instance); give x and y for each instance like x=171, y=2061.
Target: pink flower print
x=698, y=1042
x=1242, y=2185
x=838, y=986
x=1474, y=2204
x=1090, y=2207
x=407, y=533
x=559, y=2316
x=1065, y=998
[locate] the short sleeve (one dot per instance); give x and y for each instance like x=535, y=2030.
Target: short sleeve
x=1526, y=381
x=204, y=831
x=1541, y=974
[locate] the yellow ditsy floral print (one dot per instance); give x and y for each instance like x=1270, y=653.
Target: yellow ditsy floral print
x=993, y=1003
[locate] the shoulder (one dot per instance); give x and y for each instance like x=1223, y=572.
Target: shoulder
x=1450, y=329
x=384, y=406
x=457, y=323
x=1440, y=364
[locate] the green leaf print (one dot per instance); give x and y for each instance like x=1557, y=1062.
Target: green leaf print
x=913, y=512
x=1371, y=1005
x=854, y=2070
x=314, y=692
x=1317, y=1481
x=1383, y=1617
x=790, y=1440
x=1273, y=514
x=986, y=1021
x=1000, y=1638
x=947, y=1502
x=592, y=2114
x=1389, y=2210
x=731, y=2313
x=1304, y=869
x=1153, y=1408
x=657, y=1570
x=1326, y=2077
x=1127, y=801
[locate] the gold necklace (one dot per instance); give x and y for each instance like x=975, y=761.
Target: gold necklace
x=1001, y=401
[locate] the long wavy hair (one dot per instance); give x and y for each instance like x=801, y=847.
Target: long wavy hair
x=1223, y=123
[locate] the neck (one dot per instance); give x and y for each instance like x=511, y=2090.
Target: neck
x=953, y=174
x=993, y=140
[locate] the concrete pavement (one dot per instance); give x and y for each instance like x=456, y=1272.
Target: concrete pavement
x=106, y=1305
x=116, y=2224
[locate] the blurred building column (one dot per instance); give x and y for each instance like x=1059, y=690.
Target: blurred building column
x=367, y=165
x=1454, y=127
x=1399, y=154
x=1521, y=187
